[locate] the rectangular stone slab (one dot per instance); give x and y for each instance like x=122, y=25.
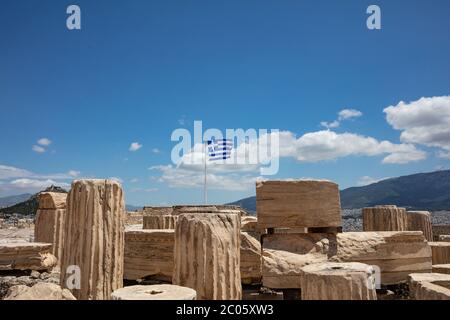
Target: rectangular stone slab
x=441, y=268
x=26, y=256
x=397, y=254
x=298, y=204
x=52, y=200
x=429, y=286
x=441, y=252
x=149, y=253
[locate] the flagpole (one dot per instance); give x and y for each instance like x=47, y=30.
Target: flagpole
x=205, y=194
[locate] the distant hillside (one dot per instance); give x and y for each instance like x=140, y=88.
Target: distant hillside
x=12, y=200
x=29, y=206
x=422, y=191
x=248, y=204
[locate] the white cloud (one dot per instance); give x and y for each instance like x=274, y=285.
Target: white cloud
x=330, y=125
x=73, y=173
x=30, y=185
x=8, y=172
x=135, y=146
x=325, y=145
x=44, y=142
x=134, y=180
x=311, y=147
x=24, y=180
x=366, y=180
x=329, y=145
x=38, y=149
x=425, y=121
x=156, y=151
x=443, y=154
x=184, y=178
x=348, y=114
x=345, y=114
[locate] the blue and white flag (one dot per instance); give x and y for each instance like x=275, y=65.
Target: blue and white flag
x=219, y=149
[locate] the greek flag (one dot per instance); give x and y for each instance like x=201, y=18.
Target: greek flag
x=219, y=149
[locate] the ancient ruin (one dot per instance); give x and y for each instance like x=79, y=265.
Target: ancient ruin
x=420, y=221
x=159, y=221
x=149, y=253
x=293, y=249
x=385, y=218
x=284, y=255
x=26, y=256
x=50, y=217
x=396, y=254
x=429, y=286
x=251, y=266
x=207, y=255
x=134, y=217
x=94, y=231
x=338, y=281
x=297, y=204
x=441, y=252
x=154, y=292
x=441, y=268
x=40, y=291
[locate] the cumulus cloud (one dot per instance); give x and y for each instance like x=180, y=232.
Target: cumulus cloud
x=184, y=178
x=425, y=121
x=329, y=145
x=44, y=142
x=330, y=125
x=317, y=146
x=348, y=114
x=38, y=149
x=31, y=185
x=41, y=145
x=8, y=172
x=135, y=146
x=325, y=145
x=18, y=179
x=345, y=114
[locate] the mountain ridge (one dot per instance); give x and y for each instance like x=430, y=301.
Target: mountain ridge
x=12, y=200
x=419, y=191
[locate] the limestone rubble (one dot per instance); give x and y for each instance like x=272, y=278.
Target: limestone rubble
x=26, y=256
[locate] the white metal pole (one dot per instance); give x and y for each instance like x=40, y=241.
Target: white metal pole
x=205, y=193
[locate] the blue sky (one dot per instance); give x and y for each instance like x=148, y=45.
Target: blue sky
x=137, y=70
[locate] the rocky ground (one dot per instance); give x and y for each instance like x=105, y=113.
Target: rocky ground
x=13, y=234
x=26, y=278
